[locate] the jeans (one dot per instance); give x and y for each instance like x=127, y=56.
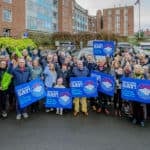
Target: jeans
x=18, y=109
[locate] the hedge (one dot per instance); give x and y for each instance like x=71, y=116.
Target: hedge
x=13, y=44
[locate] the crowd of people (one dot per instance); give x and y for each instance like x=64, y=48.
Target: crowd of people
x=56, y=68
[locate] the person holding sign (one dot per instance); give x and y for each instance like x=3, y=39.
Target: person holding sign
x=80, y=71
x=21, y=75
x=59, y=84
x=50, y=76
x=3, y=88
x=137, y=107
x=103, y=67
x=36, y=72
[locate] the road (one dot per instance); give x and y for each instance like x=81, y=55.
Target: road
x=50, y=132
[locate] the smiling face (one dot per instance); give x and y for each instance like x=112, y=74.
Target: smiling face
x=21, y=63
x=60, y=81
x=35, y=63
x=3, y=64
x=80, y=64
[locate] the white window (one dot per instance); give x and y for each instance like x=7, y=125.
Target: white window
x=109, y=12
x=7, y=15
x=117, y=24
x=7, y=1
x=118, y=12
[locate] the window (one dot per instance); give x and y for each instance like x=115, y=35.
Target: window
x=6, y=32
x=7, y=15
x=109, y=12
x=7, y=1
x=118, y=12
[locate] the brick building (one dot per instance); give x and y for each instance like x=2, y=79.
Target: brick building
x=72, y=17
x=92, y=24
x=19, y=16
x=95, y=22
x=65, y=13
x=12, y=17
x=119, y=20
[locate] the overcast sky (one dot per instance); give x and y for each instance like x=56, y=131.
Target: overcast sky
x=93, y=5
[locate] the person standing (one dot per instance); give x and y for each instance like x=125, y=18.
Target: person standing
x=3, y=93
x=59, y=84
x=21, y=75
x=80, y=71
x=36, y=72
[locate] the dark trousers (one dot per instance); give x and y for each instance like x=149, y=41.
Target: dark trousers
x=138, y=112
x=3, y=100
x=93, y=102
x=35, y=107
x=118, y=100
x=103, y=100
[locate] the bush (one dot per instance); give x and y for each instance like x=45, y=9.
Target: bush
x=20, y=44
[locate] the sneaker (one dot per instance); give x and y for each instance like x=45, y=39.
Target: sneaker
x=107, y=112
x=4, y=114
x=99, y=110
x=57, y=111
x=134, y=121
x=142, y=124
x=25, y=115
x=61, y=112
x=47, y=110
x=75, y=114
x=18, y=117
x=52, y=109
x=86, y=113
x=94, y=108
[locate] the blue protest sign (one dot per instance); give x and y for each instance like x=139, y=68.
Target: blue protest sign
x=103, y=48
x=106, y=82
x=136, y=90
x=83, y=87
x=58, y=98
x=30, y=92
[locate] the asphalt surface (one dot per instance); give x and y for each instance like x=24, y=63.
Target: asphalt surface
x=51, y=132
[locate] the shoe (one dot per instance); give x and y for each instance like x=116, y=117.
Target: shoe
x=86, y=113
x=4, y=114
x=57, y=111
x=99, y=110
x=107, y=112
x=94, y=108
x=52, y=109
x=142, y=124
x=47, y=110
x=134, y=121
x=61, y=112
x=18, y=117
x=75, y=114
x=25, y=115
x=116, y=113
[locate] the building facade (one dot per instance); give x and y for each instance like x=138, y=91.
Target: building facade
x=65, y=13
x=92, y=24
x=119, y=20
x=42, y=15
x=95, y=22
x=99, y=21
x=12, y=18
x=80, y=18
x=72, y=17
x=21, y=16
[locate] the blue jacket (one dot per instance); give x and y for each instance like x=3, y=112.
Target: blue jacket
x=20, y=76
x=76, y=72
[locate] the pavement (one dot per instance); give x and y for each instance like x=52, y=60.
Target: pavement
x=51, y=132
